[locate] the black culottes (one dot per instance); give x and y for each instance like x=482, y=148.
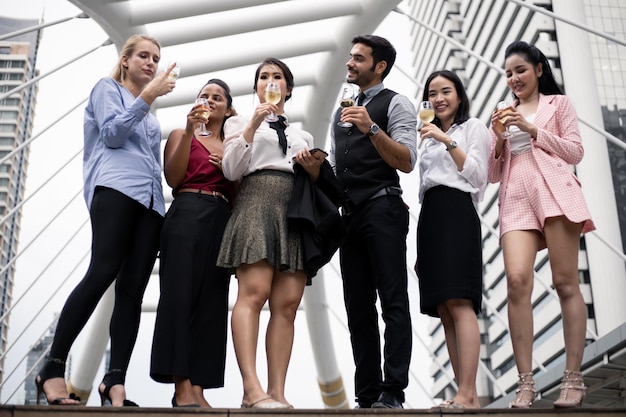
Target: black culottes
x=191, y=325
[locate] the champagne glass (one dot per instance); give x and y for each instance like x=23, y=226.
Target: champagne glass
x=504, y=107
x=175, y=72
x=272, y=95
x=205, y=111
x=426, y=114
x=348, y=99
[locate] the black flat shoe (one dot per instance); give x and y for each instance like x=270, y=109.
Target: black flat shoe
x=53, y=368
x=175, y=404
x=112, y=378
x=388, y=400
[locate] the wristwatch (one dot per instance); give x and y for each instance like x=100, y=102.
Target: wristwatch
x=374, y=129
x=452, y=145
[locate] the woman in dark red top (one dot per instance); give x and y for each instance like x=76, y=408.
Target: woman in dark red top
x=189, y=346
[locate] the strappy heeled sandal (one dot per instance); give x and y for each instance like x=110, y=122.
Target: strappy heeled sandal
x=525, y=394
x=53, y=368
x=573, y=390
x=112, y=378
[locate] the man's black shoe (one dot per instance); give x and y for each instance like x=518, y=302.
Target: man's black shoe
x=387, y=400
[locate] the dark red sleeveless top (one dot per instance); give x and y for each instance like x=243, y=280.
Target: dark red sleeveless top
x=202, y=175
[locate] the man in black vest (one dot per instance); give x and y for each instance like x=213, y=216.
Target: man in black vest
x=373, y=259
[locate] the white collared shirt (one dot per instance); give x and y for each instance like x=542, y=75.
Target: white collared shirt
x=438, y=168
x=242, y=158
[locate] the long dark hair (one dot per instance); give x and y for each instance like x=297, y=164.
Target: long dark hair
x=283, y=67
x=462, y=113
x=229, y=100
x=532, y=54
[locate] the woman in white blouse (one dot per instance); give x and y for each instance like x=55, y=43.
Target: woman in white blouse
x=453, y=177
x=258, y=244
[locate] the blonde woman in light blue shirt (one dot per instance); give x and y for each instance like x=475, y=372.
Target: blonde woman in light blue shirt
x=123, y=191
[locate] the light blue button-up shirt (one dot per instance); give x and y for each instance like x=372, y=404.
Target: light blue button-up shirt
x=122, y=146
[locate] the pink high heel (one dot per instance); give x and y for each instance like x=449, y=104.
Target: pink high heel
x=526, y=393
x=573, y=390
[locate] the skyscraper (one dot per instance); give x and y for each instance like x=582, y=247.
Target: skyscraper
x=18, y=56
x=33, y=359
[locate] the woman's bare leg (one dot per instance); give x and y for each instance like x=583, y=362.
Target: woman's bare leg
x=254, y=286
x=287, y=290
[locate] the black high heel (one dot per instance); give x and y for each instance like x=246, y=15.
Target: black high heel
x=112, y=378
x=53, y=368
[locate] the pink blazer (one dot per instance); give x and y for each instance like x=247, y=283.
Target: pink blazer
x=557, y=146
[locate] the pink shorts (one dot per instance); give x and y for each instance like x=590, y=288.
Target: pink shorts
x=528, y=200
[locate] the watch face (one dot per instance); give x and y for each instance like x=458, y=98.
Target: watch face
x=374, y=129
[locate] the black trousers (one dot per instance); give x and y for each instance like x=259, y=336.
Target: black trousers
x=125, y=241
x=373, y=262
x=191, y=323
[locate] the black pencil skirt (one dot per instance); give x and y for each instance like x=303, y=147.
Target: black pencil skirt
x=449, y=250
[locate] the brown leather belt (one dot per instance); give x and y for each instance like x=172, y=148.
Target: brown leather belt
x=204, y=192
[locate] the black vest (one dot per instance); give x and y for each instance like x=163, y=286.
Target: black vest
x=360, y=168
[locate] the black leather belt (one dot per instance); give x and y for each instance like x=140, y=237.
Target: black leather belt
x=349, y=207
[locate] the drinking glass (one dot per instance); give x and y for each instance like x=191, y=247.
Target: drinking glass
x=426, y=114
x=206, y=112
x=505, y=107
x=272, y=95
x=175, y=72
x=348, y=99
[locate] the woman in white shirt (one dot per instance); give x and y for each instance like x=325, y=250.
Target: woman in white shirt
x=453, y=177
x=258, y=244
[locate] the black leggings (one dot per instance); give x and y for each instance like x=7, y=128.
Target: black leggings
x=125, y=240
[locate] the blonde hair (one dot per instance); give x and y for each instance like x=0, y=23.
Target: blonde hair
x=119, y=72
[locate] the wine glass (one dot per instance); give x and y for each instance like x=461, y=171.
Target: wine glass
x=348, y=99
x=426, y=114
x=505, y=107
x=272, y=95
x=175, y=72
x=206, y=112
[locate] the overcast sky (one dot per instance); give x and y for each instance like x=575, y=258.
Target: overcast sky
x=57, y=94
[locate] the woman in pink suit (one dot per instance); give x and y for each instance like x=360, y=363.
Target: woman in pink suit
x=541, y=205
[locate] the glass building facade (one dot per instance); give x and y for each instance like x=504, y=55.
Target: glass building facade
x=609, y=60
x=17, y=65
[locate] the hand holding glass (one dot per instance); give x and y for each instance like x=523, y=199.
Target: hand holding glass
x=505, y=108
x=348, y=99
x=272, y=95
x=205, y=112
